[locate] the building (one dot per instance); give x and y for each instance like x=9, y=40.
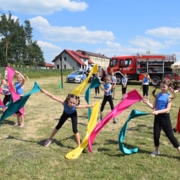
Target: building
x=49, y=66
x=70, y=59
x=100, y=59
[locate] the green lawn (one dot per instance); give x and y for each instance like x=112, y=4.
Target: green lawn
x=23, y=155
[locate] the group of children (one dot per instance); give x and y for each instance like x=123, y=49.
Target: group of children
x=161, y=107
x=6, y=91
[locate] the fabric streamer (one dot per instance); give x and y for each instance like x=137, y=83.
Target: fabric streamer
x=95, y=83
x=178, y=122
x=91, y=124
x=80, y=88
x=130, y=98
x=124, y=150
x=15, y=106
x=14, y=95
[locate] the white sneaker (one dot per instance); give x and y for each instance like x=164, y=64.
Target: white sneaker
x=47, y=143
x=155, y=153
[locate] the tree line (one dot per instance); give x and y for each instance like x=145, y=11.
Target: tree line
x=16, y=44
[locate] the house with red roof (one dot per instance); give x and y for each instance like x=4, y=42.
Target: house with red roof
x=70, y=59
x=49, y=66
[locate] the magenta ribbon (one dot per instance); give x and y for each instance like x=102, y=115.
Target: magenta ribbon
x=14, y=95
x=130, y=98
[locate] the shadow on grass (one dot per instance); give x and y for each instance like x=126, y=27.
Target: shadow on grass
x=6, y=121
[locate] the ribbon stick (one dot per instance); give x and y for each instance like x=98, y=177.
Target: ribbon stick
x=95, y=83
x=92, y=123
x=130, y=98
x=80, y=88
x=133, y=114
x=14, y=107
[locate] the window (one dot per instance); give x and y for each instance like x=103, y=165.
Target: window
x=57, y=66
x=64, y=58
x=127, y=62
x=64, y=66
x=60, y=58
x=113, y=63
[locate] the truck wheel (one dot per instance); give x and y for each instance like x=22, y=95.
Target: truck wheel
x=155, y=80
x=118, y=79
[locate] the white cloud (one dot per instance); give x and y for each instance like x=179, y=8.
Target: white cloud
x=42, y=6
x=147, y=43
x=165, y=32
x=71, y=34
x=50, y=50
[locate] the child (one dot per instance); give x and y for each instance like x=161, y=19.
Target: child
x=97, y=88
x=70, y=105
x=107, y=88
x=162, y=106
x=5, y=91
x=113, y=82
x=19, y=87
x=145, y=86
x=124, y=85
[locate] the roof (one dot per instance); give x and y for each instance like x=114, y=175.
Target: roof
x=49, y=65
x=76, y=56
x=93, y=54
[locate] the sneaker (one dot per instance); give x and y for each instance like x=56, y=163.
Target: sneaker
x=154, y=153
x=114, y=120
x=99, y=120
x=47, y=143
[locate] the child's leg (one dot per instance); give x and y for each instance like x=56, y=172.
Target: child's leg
x=77, y=136
x=105, y=99
x=74, y=127
x=18, y=120
x=53, y=133
x=22, y=120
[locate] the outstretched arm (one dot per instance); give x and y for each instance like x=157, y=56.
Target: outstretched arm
x=52, y=96
x=85, y=106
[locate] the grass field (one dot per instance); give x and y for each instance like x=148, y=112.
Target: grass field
x=23, y=155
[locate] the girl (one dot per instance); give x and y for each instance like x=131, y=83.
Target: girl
x=124, y=85
x=70, y=105
x=162, y=106
x=145, y=86
x=107, y=88
x=19, y=87
x=97, y=88
x=5, y=92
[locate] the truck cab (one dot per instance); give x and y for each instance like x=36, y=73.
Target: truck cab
x=123, y=65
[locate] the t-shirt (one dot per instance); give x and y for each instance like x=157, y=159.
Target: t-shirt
x=69, y=110
x=162, y=101
x=106, y=87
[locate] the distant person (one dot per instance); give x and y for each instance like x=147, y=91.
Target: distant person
x=97, y=91
x=145, y=86
x=113, y=82
x=124, y=85
x=87, y=71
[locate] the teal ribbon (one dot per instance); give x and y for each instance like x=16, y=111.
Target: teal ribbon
x=16, y=106
x=133, y=114
x=95, y=83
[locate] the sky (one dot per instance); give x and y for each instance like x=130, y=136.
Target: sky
x=109, y=27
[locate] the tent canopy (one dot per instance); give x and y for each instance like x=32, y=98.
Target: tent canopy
x=176, y=65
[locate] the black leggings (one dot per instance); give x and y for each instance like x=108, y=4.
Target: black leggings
x=124, y=89
x=64, y=117
x=109, y=99
x=96, y=90
x=7, y=98
x=145, y=90
x=163, y=121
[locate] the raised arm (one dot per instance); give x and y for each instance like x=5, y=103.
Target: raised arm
x=23, y=79
x=85, y=106
x=52, y=96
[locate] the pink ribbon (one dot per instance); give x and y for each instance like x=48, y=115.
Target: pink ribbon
x=131, y=98
x=14, y=95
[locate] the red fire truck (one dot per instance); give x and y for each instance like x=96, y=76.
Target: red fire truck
x=158, y=66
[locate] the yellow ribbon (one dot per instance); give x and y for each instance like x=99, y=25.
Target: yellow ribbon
x=91, y=125
x=80, y=88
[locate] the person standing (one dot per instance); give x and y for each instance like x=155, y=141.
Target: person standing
x=145, y=86
x=124, y=85
x=113, y=82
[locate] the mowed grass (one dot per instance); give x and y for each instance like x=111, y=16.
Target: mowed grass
x=23, y=155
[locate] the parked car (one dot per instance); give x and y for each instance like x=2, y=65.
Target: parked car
x=77, y=76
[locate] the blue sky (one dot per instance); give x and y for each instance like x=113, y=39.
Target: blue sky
x=109, y=27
